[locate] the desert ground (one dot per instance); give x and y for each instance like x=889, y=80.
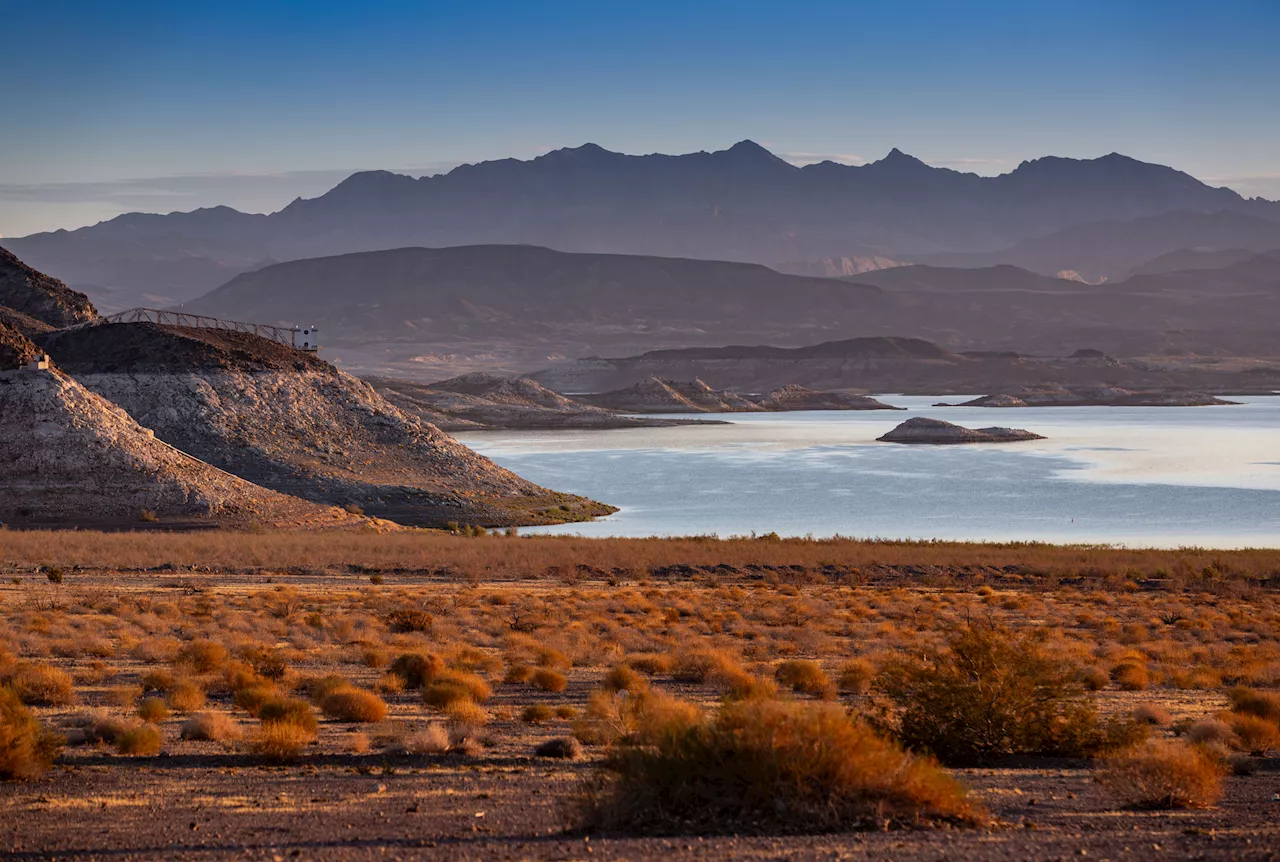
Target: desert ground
x=256, y=694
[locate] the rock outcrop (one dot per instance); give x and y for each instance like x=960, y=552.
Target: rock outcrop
x=1097, y=396
x=16, y=349
x=37, y=295
x=476, y=401
x=68, y=456
x=920, y=429
x=656, y=395
x=292, y=423
x=796, y=397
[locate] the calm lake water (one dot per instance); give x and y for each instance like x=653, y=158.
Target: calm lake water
x=1159, y=476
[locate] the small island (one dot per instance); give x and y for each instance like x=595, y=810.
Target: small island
x=921, y=429
x=1094, y=396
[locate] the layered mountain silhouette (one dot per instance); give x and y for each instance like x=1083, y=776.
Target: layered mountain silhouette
x=741, y=204
x=522, y=305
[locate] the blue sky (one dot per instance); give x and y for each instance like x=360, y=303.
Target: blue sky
x=156, y=106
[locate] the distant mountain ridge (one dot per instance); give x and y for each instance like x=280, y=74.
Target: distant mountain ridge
x=740, y=204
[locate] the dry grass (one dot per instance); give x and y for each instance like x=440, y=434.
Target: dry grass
x=805, y=676
x=279, y=741
x=773, y=767
x=139, y=740
x=153, y=710
x=1163, y=774
x=41, y=684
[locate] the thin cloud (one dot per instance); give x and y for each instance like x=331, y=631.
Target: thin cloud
x=814, y=158
x=962, y=162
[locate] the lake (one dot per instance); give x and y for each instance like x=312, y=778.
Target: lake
x=1138, y=476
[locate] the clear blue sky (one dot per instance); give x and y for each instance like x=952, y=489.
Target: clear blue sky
x=112, y=106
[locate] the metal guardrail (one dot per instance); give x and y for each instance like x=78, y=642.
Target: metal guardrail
x=178, y=318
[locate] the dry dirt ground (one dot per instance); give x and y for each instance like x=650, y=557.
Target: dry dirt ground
x=348, y=797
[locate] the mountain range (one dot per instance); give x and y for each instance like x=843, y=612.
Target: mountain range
x=741, y=204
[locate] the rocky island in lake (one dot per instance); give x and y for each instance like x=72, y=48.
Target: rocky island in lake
x=921, y=429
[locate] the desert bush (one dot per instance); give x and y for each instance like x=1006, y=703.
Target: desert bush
x=291, y=711
x=211, y=727
x=186, y=696
x=139, y=740
x=701, y=665
x=565, y=747
x=202, y=656
x=855, y=676
x=158, y=679
x=279, y=741
x=466, y=714
x=623, y=677
x=1163, y=774
x=374, y=657
x=348, y=703
x=992, y=693
x=153, y=710
x=452, y=686
x=566, y=712
x=433, y=739
x=320, y=687
x=266, y=662
x=549, y=680
x=1212, y=732
x=537, y=713
x=1265, y=705
x=27, y=749
x=784, y=767
x=390, y=683
x=417, y=669
x=409, y=619
x=41, y=685
x=1131, y=676
x=518, y=674
x=806, y=677
x=651, y=663
x=1254, y=735
x=1094, y=678
x=1150, y=713
x=124, y=696
x=252, y=697
x=612, y=716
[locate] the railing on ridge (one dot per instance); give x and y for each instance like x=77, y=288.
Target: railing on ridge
x=280, y=334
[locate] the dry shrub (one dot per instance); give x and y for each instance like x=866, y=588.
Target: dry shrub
x=550, y=680
x=124, y=696
x=291, y=711
x=95, y=673
x=320, y=687
x=279, y=741
x=186, y=696
x=993, y=693
x=1150, y=713
x=349, y=703
x=1094, y=678
x=651, y=663
x=390, y=683
x=565, y=748
x=409, y=619
x=27, y=749
x=702, y=665
x=1163, y=774
x=466, y=713
x=769, y=766
x=537, y=713
x=611, y=716
x=357, y=743
x=518, y=674
x=855, y=676
x=374, y=657
x=1265, y=705
x=452, y=686
x=566, y=712
x=252, y=697
x=806, y=677
x=42, y=685
x=417, y=668
x=398, y=739
x=153, y=710
x=202, y=656
x=211, y=727
x=139, y=740
x=157, y=680
x=1255, y=735
x=623, y=677
x=553, y=658
x=1212, y=732
x=1131, y=676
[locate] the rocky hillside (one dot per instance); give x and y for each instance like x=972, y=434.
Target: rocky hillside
x=16, y=349
x=35, y=294
x=477, y=401
x=306, y=429
x=68, y=456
